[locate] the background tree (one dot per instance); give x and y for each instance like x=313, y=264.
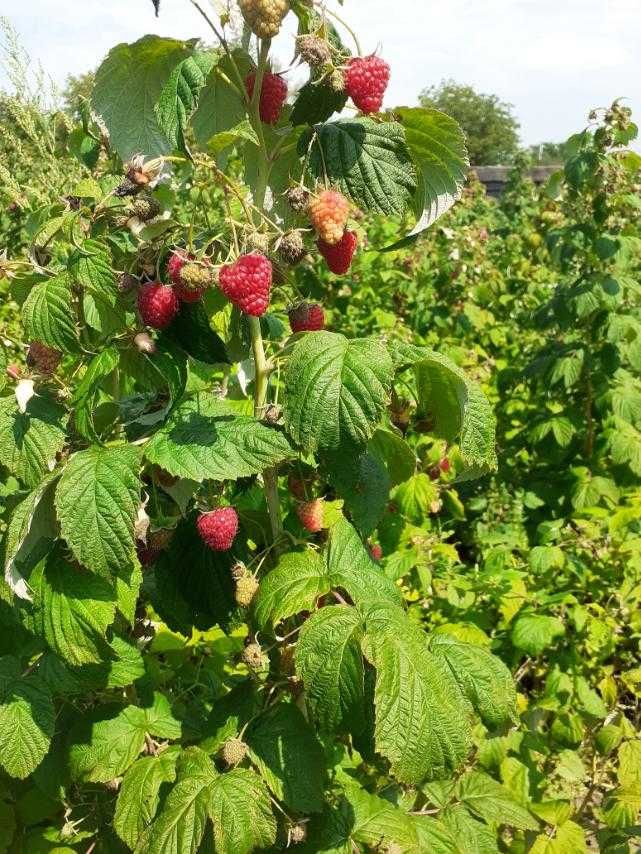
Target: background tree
x=491, y=129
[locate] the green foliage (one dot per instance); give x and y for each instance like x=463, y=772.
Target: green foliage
x=450, y=663
x=490, y=128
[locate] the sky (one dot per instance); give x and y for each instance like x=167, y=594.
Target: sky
x=553, y=59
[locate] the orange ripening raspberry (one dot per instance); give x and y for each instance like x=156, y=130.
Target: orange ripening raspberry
x=329, y=213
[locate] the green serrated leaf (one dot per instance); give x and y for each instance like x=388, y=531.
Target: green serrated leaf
x=72, y=610
x=48, y=314
x=141, y=70
x=179, y=96
x=330, y=664
x=90, y=266
x=422, y=718
x=459, y=409
x=533, y=633
x=192, y=332
x=221, y=106
x=482, y=677
x=288, y=756
x=335, y=389
x=316, y=102
x=139, y=794
x=437, y=146
x=30, y=441
x=97, y=500
x=368, y=160
x=205, y=440
x=492, y=802
x=27, y=720
x=361, y=480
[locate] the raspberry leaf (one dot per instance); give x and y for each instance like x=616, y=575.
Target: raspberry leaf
x=288, y=756
x=72, y=610
x=482, y=677
x=316, y=102
x=31, y=531
x=335, y=389
x=97, y=500
x=179, y=96
x=30, y=441
x=47, y=316
x=301, y=578
x=457, y=406
x=361, y=480
x=220, y=106
x=90, y=267
x=27, y=720
x=329, y=661
x=202, y=594
x=84, y=398
x=492, y=802
x=422, y=718
x=190, y=329
x=368, y=160
x=205, y=440
x=237, y=803
x=437, y=146
x=139, y=794
x=140, y=71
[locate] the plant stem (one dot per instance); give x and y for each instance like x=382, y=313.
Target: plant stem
x=270, y=478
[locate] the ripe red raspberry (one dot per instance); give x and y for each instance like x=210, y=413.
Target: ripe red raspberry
x=376, y=551
x=366, y=81
x=307, y=317
x=157, y=304
x=310, y=514
x=339, y=256
x=43, y=358
x=247, y=283
x=176, y=262
x=444, y=465
x=273, y=94
x=218, y=528
x=329, y=212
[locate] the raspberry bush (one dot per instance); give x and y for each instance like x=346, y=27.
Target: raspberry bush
x=215, y=627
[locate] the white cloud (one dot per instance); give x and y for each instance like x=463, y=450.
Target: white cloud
x=553, y=59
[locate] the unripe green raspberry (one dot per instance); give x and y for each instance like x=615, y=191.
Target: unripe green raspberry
x=337, y=81
x=255, y=241
x=246, y=588
x=254, y=657
x=233, y=752
x=297, y=833
x=196, y=277
x=264, y=17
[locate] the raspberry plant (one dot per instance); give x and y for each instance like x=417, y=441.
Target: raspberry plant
x=188, y=469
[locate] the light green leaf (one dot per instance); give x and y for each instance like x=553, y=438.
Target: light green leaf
x=240, y=809
x=492, y=802
x=352, y=569
x=97, y=501
x=472, y=836
x=159, y=720
x=368, y=160
x=294, y=585
x=205, y=440
x=482, y=677
x=139, y=794
x=414, y=497
x=335, y=389
x=27, y=720
x=84, y=397
x=330, y=664
x=422, y=719
x=543, y=558
x=221, y=107
x=31, y=531
x=90, y=266
x=533, y=633
x=300, y=578
x=288, y=756
x=180, y=826
x=437, y=146
x=104, y=745
x=567, y=837
x=179, y=96
x=48, y=314
x=459, y=409
x=128, y=85
x=30, y=441
x=629, y=771
x=72, y=610
x=395, y=453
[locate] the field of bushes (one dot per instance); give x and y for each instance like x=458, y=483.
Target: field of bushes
x=494, y=499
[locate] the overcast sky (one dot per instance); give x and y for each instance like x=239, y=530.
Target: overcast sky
x=553, y=59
